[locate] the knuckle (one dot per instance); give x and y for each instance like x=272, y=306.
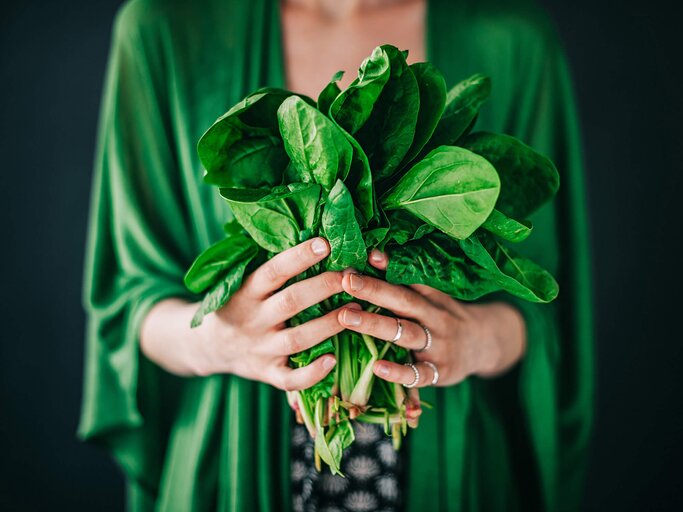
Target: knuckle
x=291, y=343
x=271, y=271
x=332, y=281
x=404, y=299
x=302, y=253
x=287, y=302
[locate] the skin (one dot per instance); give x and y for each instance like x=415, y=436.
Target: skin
x=249, y=337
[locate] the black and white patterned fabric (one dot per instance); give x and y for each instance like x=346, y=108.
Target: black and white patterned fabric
x=372, y=470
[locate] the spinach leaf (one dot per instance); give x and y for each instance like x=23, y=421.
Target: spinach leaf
x=353, y=106
x=528, y=179
x=507, y=228
x=509, y=270
x=251, y=163
x=462, y=106
x=254, y=116
x=339, y=439
x=432, y=100
x=437, y=261
x=360, y=182
x=306, y=357
x=279, y=220
x=340, y=227
x=211, y=264
x=329, y=93
x=452, y=189
x=319, y=151
x=406, y=227
x=221, y=292
x=388, y=133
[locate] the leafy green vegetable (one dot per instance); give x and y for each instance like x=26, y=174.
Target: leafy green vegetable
x=319, y=151
x=528, y=179
x=251, y=118
x=276, y=221
x=329, y=93
x=221, y=292
x=500, y=224
x=388, y=133
x=452, y=189
x=353, y=106
x=432, y=93
x=339, y=226
x=449, y=200
x=215, y=261
x=510, y=271
x=462, y=106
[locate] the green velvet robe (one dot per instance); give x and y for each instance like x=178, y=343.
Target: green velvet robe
x=221, y=443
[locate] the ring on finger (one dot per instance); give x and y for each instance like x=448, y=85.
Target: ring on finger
x=417, y=376
x=435, y=379
x=428, y=341
x=399, y=331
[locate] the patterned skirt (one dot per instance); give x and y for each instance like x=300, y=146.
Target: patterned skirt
x=372, y=470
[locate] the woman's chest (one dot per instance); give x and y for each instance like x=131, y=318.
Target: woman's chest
x=316, y=48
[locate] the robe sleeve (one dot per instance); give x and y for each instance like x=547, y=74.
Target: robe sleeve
x=557, y=372
x=138, y=247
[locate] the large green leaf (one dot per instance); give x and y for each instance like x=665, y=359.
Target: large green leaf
x=216, y=260
x=329, y=93
x=452, y=189
x=251, y=162
x=527, y=178
x=388, y=133
x=319, y=151
x=511, y=271
x=359, y=181
x=507, y=228
x=221, y=292
x=340, y=227
x=353, y=106
x=438, y=261
x=462, y=106
x=279, y=220
x=254, y=116
x=432, y=91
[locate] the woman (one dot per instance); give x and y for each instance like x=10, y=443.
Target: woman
x=194, y=417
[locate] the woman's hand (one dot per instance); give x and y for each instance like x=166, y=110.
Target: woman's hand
x=248, y=336
x=467, y=339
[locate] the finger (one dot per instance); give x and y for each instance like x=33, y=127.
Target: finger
x=403, y=374
x=378, y=259
x=295, y=339
x=382, y=327
x=290, y=379
x=401, y=300
x=299, y=296
x=273, y=274
x=434, y=295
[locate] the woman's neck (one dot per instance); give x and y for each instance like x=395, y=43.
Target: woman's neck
x=340, y=9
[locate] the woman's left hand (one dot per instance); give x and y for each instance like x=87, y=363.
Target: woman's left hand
x=467, y=339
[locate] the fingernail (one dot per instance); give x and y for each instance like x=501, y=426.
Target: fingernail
x=381, y=370
x=351, y=317
x=319, y=246
x=329, y=362
x=376, y=256
x=356, y=282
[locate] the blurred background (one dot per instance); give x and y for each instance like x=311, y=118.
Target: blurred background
x=627, y=73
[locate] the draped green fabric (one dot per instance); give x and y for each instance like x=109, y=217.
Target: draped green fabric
x=222, y=443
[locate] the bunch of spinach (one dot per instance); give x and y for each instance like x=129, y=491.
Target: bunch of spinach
x=391, y=163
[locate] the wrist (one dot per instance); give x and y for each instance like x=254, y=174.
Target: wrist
x=502, y=339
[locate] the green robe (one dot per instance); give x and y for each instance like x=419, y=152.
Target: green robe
x=221, y=443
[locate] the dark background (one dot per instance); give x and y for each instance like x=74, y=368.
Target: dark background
x=627, y=75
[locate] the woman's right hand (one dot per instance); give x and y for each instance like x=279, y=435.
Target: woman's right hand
x=249, y=337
